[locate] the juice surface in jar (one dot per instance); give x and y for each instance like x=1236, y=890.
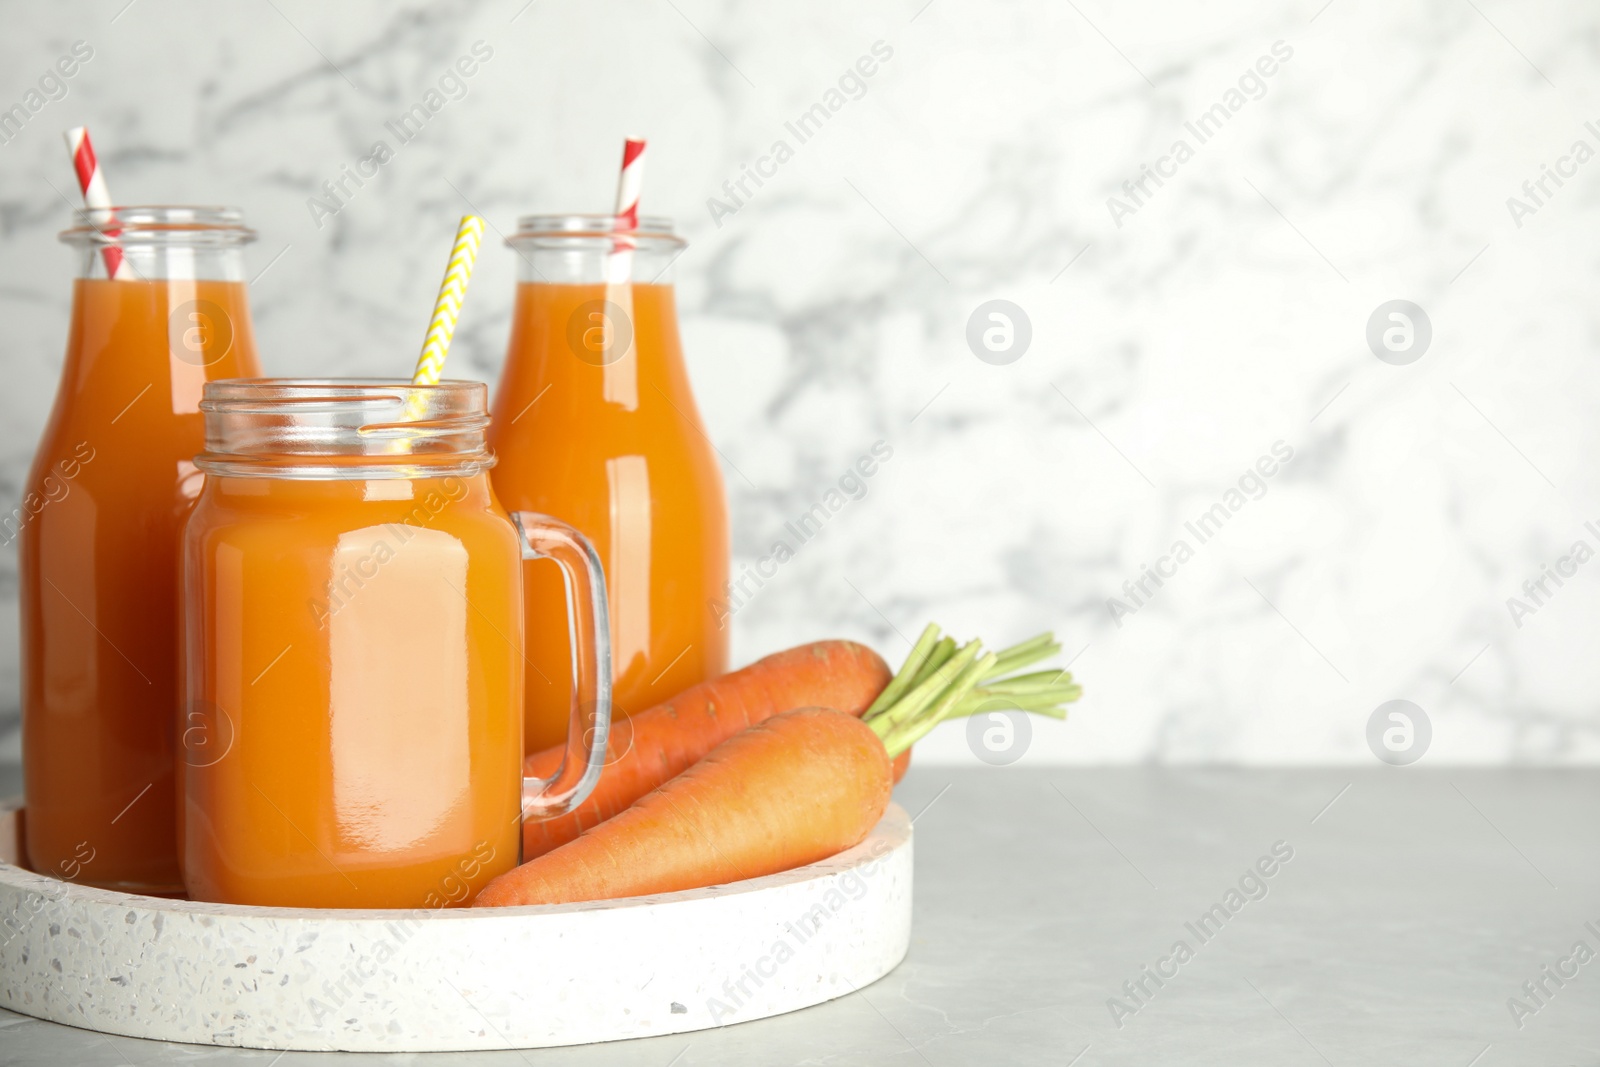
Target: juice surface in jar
x=595, y=423
x=110, y=488
x=352, y=667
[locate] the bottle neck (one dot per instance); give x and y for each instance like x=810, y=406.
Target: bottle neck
x=159, y=340
x=594, y=249
x=160, y=243
x=166, y=263
x=596, y=320
x=598, y=345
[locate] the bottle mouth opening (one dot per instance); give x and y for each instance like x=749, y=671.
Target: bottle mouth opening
x=344, y=428
x=566, y=230
x=158, y=224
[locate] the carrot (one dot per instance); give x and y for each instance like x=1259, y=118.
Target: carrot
x=651, y=747
x=800, y=787
x=654, y=746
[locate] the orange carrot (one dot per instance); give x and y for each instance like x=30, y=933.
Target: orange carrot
x=795, y=789
x=653, y=746
x=791, y=790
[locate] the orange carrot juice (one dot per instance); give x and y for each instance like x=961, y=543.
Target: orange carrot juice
x=356, y=689
x=595, y=423
x=354, y=672
x=111, y=485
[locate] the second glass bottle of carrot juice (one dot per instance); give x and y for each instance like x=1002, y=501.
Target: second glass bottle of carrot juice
x=158, y=310
x=594, y=422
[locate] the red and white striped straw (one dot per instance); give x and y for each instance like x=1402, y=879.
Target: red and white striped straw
x=629, y=184
x=96, y=197
x=620, y=267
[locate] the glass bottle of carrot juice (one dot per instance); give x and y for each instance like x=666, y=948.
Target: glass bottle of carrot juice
x=111, y=485
x=595, y=423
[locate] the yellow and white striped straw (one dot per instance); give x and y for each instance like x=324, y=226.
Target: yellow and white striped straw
x=447, y=309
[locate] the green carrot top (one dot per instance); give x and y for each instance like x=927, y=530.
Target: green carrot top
x=940, y=680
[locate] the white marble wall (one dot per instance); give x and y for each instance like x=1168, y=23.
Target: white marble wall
x=829, y=311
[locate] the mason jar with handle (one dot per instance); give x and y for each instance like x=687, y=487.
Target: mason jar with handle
x=352, y=716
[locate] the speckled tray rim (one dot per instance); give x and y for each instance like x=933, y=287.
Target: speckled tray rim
x=889, y=843
x=888, y=829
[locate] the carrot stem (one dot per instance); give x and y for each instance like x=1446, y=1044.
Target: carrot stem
x=1041, y=682
x=1047, y=703
x=1031, y=690
x=908, y=672
x=966, y=710
x=937, y=658
x=917, y=701
x=1013, y=658
x=941, y=680
x=916, y=727
x=1036, y=641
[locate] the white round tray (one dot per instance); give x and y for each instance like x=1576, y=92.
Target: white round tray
x=426, y=981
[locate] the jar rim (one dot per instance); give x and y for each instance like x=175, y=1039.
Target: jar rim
x=344, y=428
x=158, y=224
x=236, y=394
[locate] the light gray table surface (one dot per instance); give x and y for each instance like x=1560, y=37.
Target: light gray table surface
x=1416, y=904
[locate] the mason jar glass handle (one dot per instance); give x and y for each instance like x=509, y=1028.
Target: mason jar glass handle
x=589, y=630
